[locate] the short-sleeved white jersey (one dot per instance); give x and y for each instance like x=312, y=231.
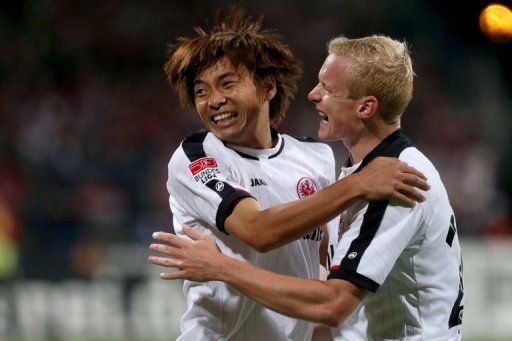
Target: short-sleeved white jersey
x=409, y=259
x=206, y=180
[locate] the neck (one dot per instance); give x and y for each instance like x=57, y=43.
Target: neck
x=257, y=133
x=262, y=141
x=259, y=137
x=368, y=139
x=262, y=135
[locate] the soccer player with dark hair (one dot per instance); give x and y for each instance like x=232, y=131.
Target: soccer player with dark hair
x=230, y=182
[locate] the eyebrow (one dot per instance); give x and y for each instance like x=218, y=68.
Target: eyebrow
x=219, y=78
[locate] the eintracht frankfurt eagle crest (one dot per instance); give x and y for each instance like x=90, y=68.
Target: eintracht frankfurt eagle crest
x=306, y=187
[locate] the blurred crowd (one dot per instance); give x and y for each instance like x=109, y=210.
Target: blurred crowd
x=88, y=121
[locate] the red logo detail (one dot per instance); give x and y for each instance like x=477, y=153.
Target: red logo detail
x=306, y=187
x=201, y=164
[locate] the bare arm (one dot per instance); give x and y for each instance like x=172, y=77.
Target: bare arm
x=383, y=178
x=326, y=302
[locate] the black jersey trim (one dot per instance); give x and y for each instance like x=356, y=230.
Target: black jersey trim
x=371, y=223
x=193, y=145
x=391, y=146
x=194, y=149
x=279, y=151
x=230, y=197
x=275, y=135
x=355, y=278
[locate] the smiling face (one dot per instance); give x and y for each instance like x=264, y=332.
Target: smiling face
x=230, y=106
x=339, y=118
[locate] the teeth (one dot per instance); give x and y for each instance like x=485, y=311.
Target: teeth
x=224, y=116
x=323, y=116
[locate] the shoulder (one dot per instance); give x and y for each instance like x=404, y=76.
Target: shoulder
x=193, y=146
x=197, y=146
x=315, y=154
x=415, y=158
x=437, y=193
x=199, y=156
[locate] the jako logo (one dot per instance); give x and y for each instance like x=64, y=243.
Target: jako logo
x=258, y=182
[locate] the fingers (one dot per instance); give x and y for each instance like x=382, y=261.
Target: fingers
x=169, y=238
x=414, y=180
x=165, y=249
x=403, y=199
x=163, y=261
x=173, y=275
x=167, y=262
x=410, y=192
x=191, y=233
x=411, y=170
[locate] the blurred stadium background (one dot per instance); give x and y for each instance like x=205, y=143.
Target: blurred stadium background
x=88, y=123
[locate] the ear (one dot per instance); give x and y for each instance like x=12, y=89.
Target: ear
x=367, y=107
x=270, y=88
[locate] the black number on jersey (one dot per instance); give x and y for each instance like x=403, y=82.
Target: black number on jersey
x=452, y=230
x=457, y=309
x=330, y=255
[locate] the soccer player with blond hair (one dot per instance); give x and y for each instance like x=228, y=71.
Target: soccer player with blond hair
x=262, y=196
x=395, y=270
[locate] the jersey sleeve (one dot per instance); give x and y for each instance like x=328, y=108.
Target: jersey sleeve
x=378, y=234
x=202, y=188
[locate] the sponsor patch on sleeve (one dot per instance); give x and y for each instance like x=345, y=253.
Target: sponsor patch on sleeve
x=204, y=169
x=202, y=164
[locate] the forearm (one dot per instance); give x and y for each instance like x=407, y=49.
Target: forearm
x=382, y=179
x=311, y=300
x=279, y=225
x=199, y=259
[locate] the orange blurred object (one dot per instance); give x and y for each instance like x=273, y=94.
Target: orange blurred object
x=496, y=23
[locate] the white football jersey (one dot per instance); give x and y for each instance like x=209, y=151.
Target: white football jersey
x=206, y=180
x=408, y=258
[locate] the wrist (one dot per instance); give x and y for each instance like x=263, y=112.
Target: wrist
x=223, y=269
x=355, y=188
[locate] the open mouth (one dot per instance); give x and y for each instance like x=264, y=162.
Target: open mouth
x=323, y=117
x=225, y=117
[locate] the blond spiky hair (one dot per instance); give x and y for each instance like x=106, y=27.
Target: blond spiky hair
x=382, y=68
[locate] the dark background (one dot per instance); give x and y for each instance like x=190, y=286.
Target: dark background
x=88, y=121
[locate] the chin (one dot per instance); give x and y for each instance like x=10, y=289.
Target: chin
x=225, y=133
x=324, y=136
x=229, y=137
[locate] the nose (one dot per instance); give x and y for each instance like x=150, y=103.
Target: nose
x=217, y=99
x=314, y=94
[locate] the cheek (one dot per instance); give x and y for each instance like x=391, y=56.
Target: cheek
x=202, y=117
x=200, y=109
x=252, y=106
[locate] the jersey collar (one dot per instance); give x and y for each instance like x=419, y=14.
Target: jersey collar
x=260, y=154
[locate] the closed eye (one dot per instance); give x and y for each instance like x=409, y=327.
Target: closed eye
x=325, y=88
x=198, y=92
